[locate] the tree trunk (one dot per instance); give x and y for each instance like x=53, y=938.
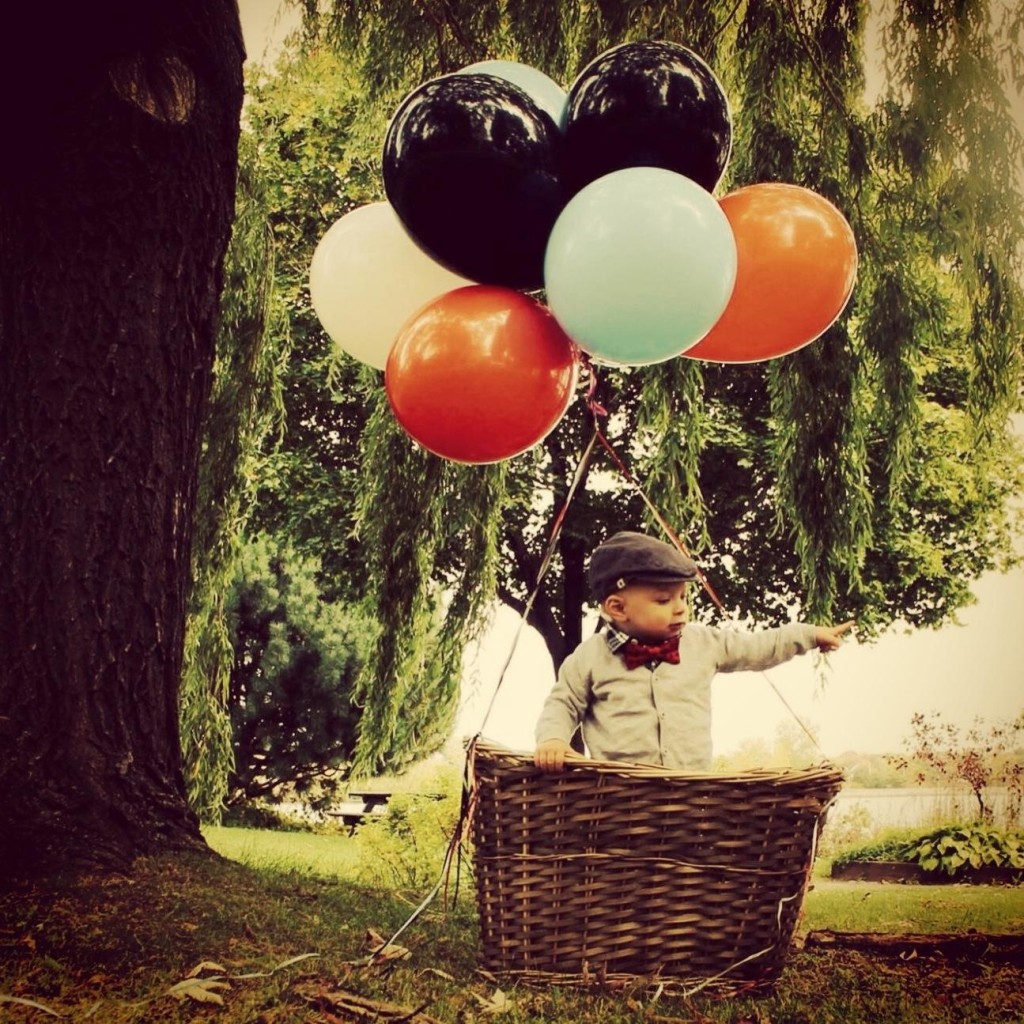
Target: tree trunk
x=114, y=217
x=973, y=946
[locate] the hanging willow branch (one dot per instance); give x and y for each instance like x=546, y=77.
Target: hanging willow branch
x=846, y=478
x=245, y=409
x=429, y=530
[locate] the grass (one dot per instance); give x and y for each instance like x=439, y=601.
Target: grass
x=323, y=854
x=282, y=937
x=875, y=907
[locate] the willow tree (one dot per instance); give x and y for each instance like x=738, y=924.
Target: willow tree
x=243, y=420
x=308, y=485
x=115, y=212
x=867, y=475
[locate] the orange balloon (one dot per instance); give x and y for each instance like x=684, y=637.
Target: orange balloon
x=796, y=265
x=480, y=374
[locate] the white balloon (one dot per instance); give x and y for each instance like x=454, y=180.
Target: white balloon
x=544, y=91
x=367, y=277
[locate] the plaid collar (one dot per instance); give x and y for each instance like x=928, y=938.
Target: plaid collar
x=615, y=638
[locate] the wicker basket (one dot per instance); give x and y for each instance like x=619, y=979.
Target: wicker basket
x=616, y=873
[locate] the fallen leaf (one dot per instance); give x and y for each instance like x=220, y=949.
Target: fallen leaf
x=381, y=950
x=438, y=973
x=202, y=990
x=497, y=1003
x=206, y=965
x=29, y=1002
x=362, y=1008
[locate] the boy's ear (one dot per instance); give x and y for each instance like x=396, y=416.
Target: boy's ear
x=614, y=607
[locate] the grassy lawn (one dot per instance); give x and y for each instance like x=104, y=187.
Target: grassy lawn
x=836, y=906
x=279, y=933
x=877, y=907
x=328, y=856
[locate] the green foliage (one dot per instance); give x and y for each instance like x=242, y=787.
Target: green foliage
x=959, y=848
x=429, y=540
x=303, y=121
x=245, y=410
x=405, y=847
x=296, y=658
x=397, y=561
x=886, y=846
x=952, y=849
x=868, y=475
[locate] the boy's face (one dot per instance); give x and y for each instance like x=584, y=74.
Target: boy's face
x=649, y=611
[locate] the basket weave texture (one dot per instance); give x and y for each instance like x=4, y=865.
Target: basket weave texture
x=611, y=872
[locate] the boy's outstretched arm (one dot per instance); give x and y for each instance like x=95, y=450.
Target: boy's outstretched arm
x=830, y=638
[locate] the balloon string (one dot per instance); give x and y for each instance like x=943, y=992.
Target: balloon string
x=598, y=411
x=460, y=834
x=545, y=565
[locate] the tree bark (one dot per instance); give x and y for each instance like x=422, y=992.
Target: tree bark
x=975, y=946
x=114, y=218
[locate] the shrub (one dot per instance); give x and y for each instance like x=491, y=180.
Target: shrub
x=885, y=847
x=953, y=849
x=845, y=829
x=259, y=815
x=981, y=758
x=958, y=848
x=405, y=847
x=296, y=659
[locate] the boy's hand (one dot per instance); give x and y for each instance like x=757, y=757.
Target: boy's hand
x=830, y=638
x=550, y=755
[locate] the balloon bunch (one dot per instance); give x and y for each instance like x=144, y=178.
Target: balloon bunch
x=500, y=183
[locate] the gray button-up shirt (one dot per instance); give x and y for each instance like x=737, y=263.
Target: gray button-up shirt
x=658, y=714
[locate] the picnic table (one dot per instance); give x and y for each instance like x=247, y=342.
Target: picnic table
x=361, y=804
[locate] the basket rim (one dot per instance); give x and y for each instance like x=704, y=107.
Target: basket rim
x=484, y=749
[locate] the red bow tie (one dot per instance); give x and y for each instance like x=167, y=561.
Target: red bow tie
x=637, y=654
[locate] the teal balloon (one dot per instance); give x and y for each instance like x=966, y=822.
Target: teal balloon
x=543, y=90
x=639, y=266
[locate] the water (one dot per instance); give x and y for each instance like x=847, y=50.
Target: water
x=920, y=806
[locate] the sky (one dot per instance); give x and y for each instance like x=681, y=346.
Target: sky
x=864, y=698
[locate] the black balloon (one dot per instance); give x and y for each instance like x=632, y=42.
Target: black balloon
x=472, y=168
x=647, y=104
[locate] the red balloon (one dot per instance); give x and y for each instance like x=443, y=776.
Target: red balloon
x=796, y=262
x=481, y=374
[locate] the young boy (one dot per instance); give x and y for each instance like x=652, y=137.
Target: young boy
x=641, y=688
